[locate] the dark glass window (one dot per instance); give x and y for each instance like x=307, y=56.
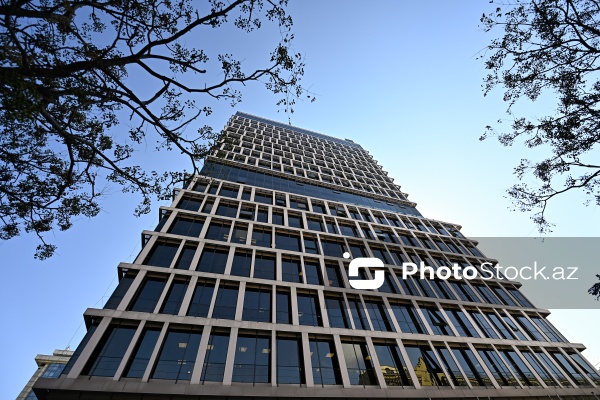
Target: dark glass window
x=331, y=226
x=473, y=370
x=334, y=276
x=201, y=299
x=189, y=203
x=318, y=208
x=484, y=325
x=81, y=346
x=261, y=236
x=186, y=257
x=110, y=351
x=241, y=264
x=453, y=371
x=216, y=355
x=262, y=215
x=379, y=316
x=498, y=369
x=265, y=198
x=486, y=294
x=240, y=233
x=213, y=188
x=332, y=248
x=247, y=212
x=500, y=327
x=392, y=366
x=428, y=370
x=407, y=318
x=295, y=221
x=441, y=289
x=226, y=302
x=284, y=308
x=348, y=230
x=513, y=327
x=409, y=287
x=529, y=328
x=186, y=227
x=586, y=367
x=461, y=323
x=382, y=254
x=547, y=329
x=324, y=360
x=520, y=298
x=148, y=295
x=287, y=241
x=174, y=297
x=162, y=254
x=257, y=304
x=291, y=271
x=521, y=370
x=290, y=366
x=246, y=194
x=539, y=368
x=136, y=366
x=177, y=355
x=504, y=297
x=464, y=291
x=120, y=291
x=551, y=367
x=389, y=285
x=213, y=260
x=309, y=312
x=252, y=359
x=278, y=217
x=218, y=230
x=315, y=224
x=229, y=192
x=436, y=321
x=357, y=250
x=336, y=311
x=313, y=273
x=358, y=314
x=264, y=266
x=568, y=368
x=208, y=206
x=200, y=187
x=310, y=245
x=358, y=362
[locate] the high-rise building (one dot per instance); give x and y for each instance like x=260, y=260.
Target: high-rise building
x=243, y=291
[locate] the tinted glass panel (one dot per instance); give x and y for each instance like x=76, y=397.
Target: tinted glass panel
x=177, y=355
x=141, y=355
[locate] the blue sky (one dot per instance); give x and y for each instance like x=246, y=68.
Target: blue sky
x=400, y=78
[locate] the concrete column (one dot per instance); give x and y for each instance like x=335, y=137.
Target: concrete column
x=239, y=308
x=187, y=298
x=308, y=373
x=233, y=335
x=273, y=359
x=214, y=298
x=342, y=361
x=294, y=306
x=163, y=295
x=323, y=310
x=199, y=364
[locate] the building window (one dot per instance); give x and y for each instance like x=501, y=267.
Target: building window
x=473, y=370
x=262, y=197
x=547, y=329
x=407, y=318
x=218, y=230
x=461, y=323
x=498, y=369
x=284, y=307
x=569, y=368
x=278, y=217
x=541, y=371
x=336, y=311
x=110, y=351
x=241, y=264
x=262, y=237
x=226, y=302
x=287, y=241
x=295, y=221
x=409, y=287
x=358, y=362
x=324, y=360
x=349, y=230
x=521, y=370
x=453, y=371
x=358, y=314
x=389, y=285
x=313, y=272
x=315, y=224
x=137, y=364
x=484, y=325
x=213, y=260
x=257, y=304
x=189, y=203
x=174, y=297
x=436, y=321
x=264, y=266
x=54, y=370
x=252, y=359
x=393, y=368
x=379, y=316
x=148, y=295
x=310, y=245
x=290, y=365
x=177, y=356
x=551, y=367
x=585, y=366
x=201, y=300
x=229, y=192
x=333, y=275
x=291, y=271
x=464, y=291
x=120, y=291
x=500, y=327
x=240, y=232
x=309, y=313
x=186, y=257
x=162, y=254
x=186, y=227
x=213, y=369
x=262, y=215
